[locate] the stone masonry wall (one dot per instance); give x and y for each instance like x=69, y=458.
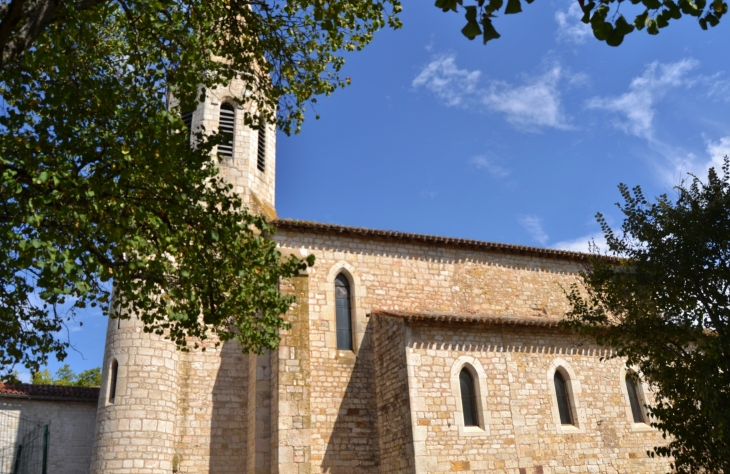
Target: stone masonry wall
x=394, y=409
x=523, y=434
x=211, y=431
x=411, y=276
x=71, y=430
x=135, y=433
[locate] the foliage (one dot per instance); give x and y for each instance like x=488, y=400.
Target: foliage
x=665, y=306
x=607, y=22
x=99, y=181
x=67, y=377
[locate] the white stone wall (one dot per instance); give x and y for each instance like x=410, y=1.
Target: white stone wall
x=71, y=430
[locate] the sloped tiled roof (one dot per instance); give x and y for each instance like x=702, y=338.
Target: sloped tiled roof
x=470, y=318
x=50, y=392
x=292, y=224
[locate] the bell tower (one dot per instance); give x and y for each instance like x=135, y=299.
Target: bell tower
x=248, y=160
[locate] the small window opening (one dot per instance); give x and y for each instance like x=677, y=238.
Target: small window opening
x=113, y=381
x=261, y=151
x=226, y=127
x=634, y=400
x=187, y=118
x=561, y=391
x=468, y=398
x=344, y=313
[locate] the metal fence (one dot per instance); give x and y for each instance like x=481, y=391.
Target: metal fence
x=23, y=444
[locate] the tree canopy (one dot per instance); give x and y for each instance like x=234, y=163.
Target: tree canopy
x=604, y=16
x=99, y=180
x=67, y=377
x=664, y=304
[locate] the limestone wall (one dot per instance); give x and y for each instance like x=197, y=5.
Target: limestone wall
x=393, y=401
x=401, y=275
x=71, y=430
x=523, y=433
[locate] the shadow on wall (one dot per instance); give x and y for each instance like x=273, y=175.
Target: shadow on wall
x=228, y=420
x=353, y=446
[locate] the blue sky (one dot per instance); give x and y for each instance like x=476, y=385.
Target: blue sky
x=522, y=141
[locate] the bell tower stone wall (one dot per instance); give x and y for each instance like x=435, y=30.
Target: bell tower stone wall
x=192, y=412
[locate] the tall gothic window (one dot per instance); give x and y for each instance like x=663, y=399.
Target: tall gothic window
x=261, y=150
x=113, y=381
x=344, y=313
x=187, y=118
x=561, y=391
x=634, y=400
x=468, y=398
x=226, y=127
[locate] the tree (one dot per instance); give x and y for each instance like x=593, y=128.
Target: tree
x=607, y=22
x=67, y=377
x=100, y=183
x=664, y=304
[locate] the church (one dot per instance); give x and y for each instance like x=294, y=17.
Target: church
x=407, y=353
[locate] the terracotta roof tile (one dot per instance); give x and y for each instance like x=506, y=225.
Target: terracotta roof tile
x=49, y=392
x=470, y=318
x=292, y=224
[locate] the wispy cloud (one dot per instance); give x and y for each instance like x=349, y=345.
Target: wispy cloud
x=537, y=103
x=582, y=244
x=446, y=81
x=532, y=104
x=637, y=105
x=488, y=164
x=533, y=226
x=570, y=28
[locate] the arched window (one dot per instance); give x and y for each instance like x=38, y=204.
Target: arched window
x=344, y=314
x=468, y=398
x=561, y=392
x=261, y=151
x=226, y=126
x=113, y=381
x=636, y=410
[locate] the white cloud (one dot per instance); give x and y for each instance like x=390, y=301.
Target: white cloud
x=488, y=164
x=718, y=150
x=533, y=104
x=533, y=226
x=446, y=81
x=582, y=244
x=570, y=28
x=637, y=105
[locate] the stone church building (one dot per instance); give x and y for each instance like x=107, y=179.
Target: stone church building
x=407, y=354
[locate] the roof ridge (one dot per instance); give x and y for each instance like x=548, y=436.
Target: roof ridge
x=427, y=238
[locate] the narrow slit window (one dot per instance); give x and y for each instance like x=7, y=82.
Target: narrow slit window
x=344, y=313
x=226, y=127
x=113, y=381
x=187, y=118
x=261, y=150
x=561, y=391
x=634, y=400
x=468, y=398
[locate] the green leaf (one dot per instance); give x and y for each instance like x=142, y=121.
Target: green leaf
x=640, y=21
x=471, y=30
x=493, y=6
x=43, y=177
x=489, y=32
x=513, y=6
x=652, y=4
x=447, y=5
